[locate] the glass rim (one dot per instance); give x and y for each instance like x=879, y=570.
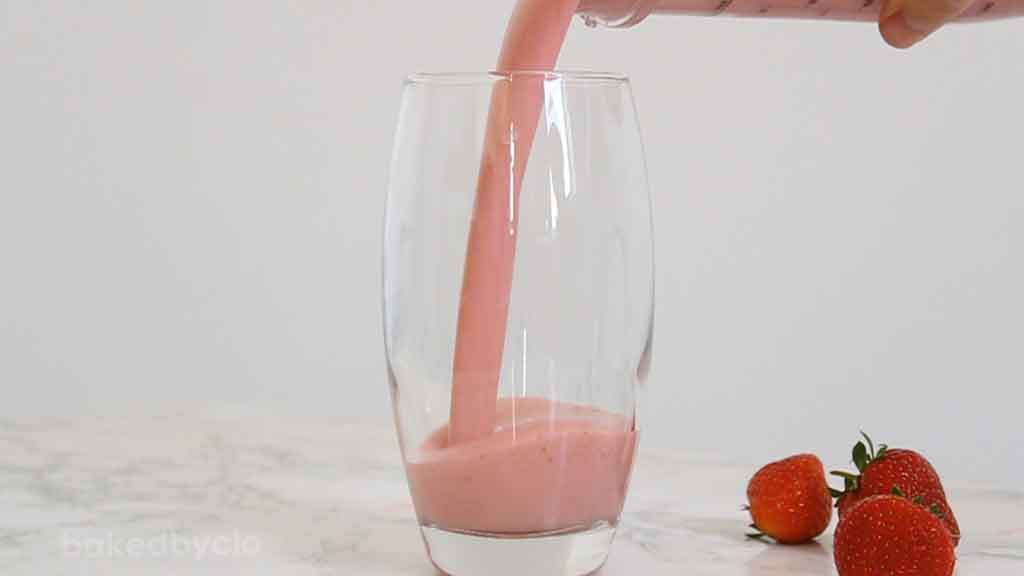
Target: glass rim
x=489, y=77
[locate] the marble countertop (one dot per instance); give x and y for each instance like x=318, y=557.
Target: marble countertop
x=187, y=494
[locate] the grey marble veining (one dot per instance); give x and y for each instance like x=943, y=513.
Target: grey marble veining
x=181, y=493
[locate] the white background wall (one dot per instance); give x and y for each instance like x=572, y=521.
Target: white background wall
x=191, y=196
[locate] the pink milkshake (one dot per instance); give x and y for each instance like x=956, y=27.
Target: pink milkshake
x=546, y=467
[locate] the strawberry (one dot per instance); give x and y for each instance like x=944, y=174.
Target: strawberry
x=881, y=471
x=789, y=500
x=888, y=535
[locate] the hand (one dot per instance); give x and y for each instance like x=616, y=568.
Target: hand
x=904, y=23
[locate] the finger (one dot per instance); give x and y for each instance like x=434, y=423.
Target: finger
x=895, y=30
x=928, y=15
x=904, y=23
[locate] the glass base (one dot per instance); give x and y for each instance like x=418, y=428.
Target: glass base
x=571, y=553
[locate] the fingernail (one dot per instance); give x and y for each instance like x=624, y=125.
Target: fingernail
x=895, y=29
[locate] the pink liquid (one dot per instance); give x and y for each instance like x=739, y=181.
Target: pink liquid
x=545, y=467
x=532, y=41
x=522, y=465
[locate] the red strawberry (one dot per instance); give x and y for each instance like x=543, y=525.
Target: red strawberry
x=887, y=535
x=789, y=500
x=888, y=468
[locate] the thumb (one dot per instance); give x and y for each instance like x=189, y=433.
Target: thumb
x=904, y=23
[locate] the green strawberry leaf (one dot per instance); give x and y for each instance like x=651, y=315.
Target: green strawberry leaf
x=871, y=444
x=860, y=456
x=756, y=534
x=882, y=448
x=851, y=482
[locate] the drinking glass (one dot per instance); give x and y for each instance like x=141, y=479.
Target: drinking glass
x=518, y=304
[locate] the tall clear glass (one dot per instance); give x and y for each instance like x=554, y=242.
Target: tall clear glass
x=518, y=289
